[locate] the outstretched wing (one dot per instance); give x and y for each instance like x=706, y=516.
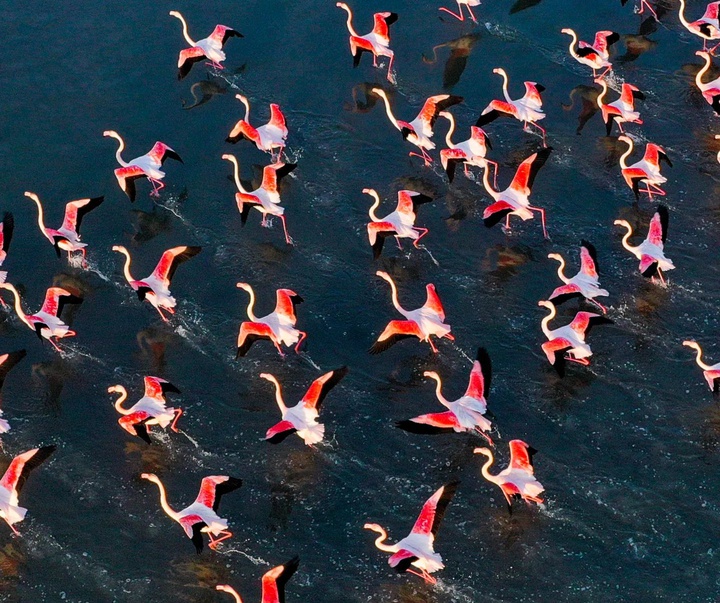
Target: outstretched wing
x=171, y=259
x=157, y=388
x=55, y=300
x=480, y=375
x=76, y=210
x=394, y=332
x=274, y=581
x=17, y=473
x=8, y=361
x=286, y=301
x=432, y=302
x=7, y=226
x=381, y=25
x=525, y=175
x=408, y=201
x=434, y=509
x=272, y=174
x=588, y=259
x=222, y=33
x=521, y=456
x=321, y=386
x=659, y=226
x=213, y=487
x=434, y=105
x=431, y=423
x=160, y=152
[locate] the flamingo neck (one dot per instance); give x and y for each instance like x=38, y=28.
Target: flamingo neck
x=701, y=73
x=626, y=238
x=118, y=403
x=236, y=173
x=118, y=153
x=278, y=395
x=561, y=270
x=602, y=94
x=546, y=330
x=389, y=112
x=396, y=303
x=251, y=305
x=683, y=20
x=626, y=154
x=164, y=503
x=505, y=86
x=573, y=43
x=18, y=306
x=438, y=391
x=235, y=595
x=126, y=266
x=380, y=542
x=349, y=24
x=486, y=181
x=186, y=35
x=374, y=206
x=698, y=359
x=448, y=136
x=245, y=102
x=485, y=470
x=40, y=218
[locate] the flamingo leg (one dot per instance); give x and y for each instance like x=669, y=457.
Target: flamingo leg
x=279, y=349
x=583, y=361
x=542, y=218
x=507, y=222
x=288, y=240
x=158, y=185
x=55, y=345
x=425, y=157
x=397, y=240
x=604, y=73
x=495, y=165
x=486, y=436
x=472, y=15
x=432, y=345
x=303, y=335
x=645, y=3
x=161, y=314
x=544, y=137
x=224, y=535
x=598, y=304
x=459, y=14
x=661, y=277
x=390, y=77
x=14, y=529
x=178, y=412
x=423, y=232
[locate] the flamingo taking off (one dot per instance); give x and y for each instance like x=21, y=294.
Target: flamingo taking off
x=7, y=226
x=647, y=170
x=150, y=410
x=377, y=42
x=7, y=362
x=210, y=47
x=527, y=109
x=421, y=323
x=46, y=322
x=468, y=152
x=201, y=516
x=67, y=237
x=14, y=479
x=467, y=4
x=568, y=342
x=302, y=418
x=710, y=90
x=400, y=223
x=706, y=27
x=267, y=137
x=465, y=413
x=417, y=548
x=156, y=288
x=710, y=372
x=147, y=165
x=266, y=198
x=593, y=55
x=278, y=326
x=420, y=130
x=651, y=251
x=585, y=284
x=273, y=583
x=623, y=109
x=518, y=478
x=515, y=199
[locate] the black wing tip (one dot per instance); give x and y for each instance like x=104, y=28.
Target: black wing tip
x=392, y=18
x=421, y=428
x=279, y=437
x=540, y=88
x=482, y=356
x=496, y=217
x=591, y=250
x=612, y=38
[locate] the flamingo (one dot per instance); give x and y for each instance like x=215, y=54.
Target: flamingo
x=706, y=27
x=421, y=323
x=67, y=237
x=710, y=90
x=201, y=516
x=515, y=199
x=417, y=548
x=650, y=252
x=7, y=226
x=527, y=109
x=266, y=198
x=278, y=326
x=14, y=479
x=210, y=47
x=400, y=223
x=621, y=110
x=7, y=362
x=593, y=55
x=518, y=478
x=156, y=287
x=465, y=413
x=420, y=130
x=468, y=152
x=302, y=418
x=467, y=4
x=710, y=372
x=568, y=342
x=46, y=322
x=267, y=137
x=273, y=583
x=147, y=165
x=585, y=283
x=149, y=410
x=377, y=42
x=646, y=170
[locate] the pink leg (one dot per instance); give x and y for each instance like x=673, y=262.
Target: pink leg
x=472, y=15
x=607, y=70
x=423, y=232
x=264, y=221
x=507, y=222
x=55, y=345
x=178, y=412
x=161, y=314
x=397, y=240
x=598, y=304
x=644, y=3
x=224, y=535
x=303, y=335
x=542, y=218
x=390, y=77
x=712, y=50
x=660, y=276
x=279, y=349
x=12, y=527
x=486, y=436
x=432, y=345
x=543, y=133
x=84, y=258
x=495, y=165
x=583, y=361
x=288, y=240
x=459, y=16
x=425, y=157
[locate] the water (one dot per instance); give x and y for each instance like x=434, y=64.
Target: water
x=628, y=448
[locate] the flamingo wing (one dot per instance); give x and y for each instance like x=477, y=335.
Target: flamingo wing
x=381, y=25
x=272, y=174
x=277, y=118
x=432, y=108
x=213, y=487
x=126, y=177
x=605, y=39
x=521, y=456
x=55, y=300
x=7, y=226
x=402, y=560
x=377, y=233
x=564, y=293
x=532, y=93
x=245, y=130
x=588, y=259
x=629, y=94
x=711, y=12
x=496, y=212
x=8, y=361
x=408, y=201
x=250, y=332
x=588, y=52
x=657, y=232
x=431, y=424
x=171, y=259
x=188, y=57
x=76, y=210
x=528, y=169
x=222, y=33
x=394, y=332
x=274, y=581
x=193, y=526
x=480, y=375
x=155, y=387
x=316, y=393
x=160, y=152
x=286, y=302
x=495, y=109
x=433, y=302
x=17, y=473
x=278, y=432
x=434, y=509
x=135, y=424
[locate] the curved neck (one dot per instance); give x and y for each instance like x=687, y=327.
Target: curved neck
x=163, y=501
x=448, y=136
x=561, y=269
x=395, y=301
x=235, y=595
x=278, y=393
x=683, y=20
x=186, y=35
x=626, y=154
x=118, y=153
x=388, y=110
x=245, y=102
x=486, y=180
x=505, y=86
x=40, y=218
x=701, y=73
x=18, y=306
x=602, y=94
x=126, y=266
x=698, y=359
x=545, y=328
x=123, y=396
x=350, y=27
x=625, y=239
x=438, y=390
x=251, y=305
x=380, y=542
x=374, y=206
x=236, y=172
x=485, y=468
x=573, y=42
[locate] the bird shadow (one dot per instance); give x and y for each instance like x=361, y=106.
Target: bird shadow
x=363, y=100
x=460, y=50
x=587, y=95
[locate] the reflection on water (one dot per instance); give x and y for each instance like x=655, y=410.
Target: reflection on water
x=521, y=5
x=460, y=49
x=49, y=378
x=587, y=95
x=364, y=100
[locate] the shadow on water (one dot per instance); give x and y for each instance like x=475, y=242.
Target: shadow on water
x=460, y=50
x=587, y=95
x=50, y=377
x=364, y=100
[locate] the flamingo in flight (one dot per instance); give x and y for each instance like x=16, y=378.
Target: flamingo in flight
x=417, y=548
x=267, y=137
x=156, y=288
x=67, y=237
x=420, y=130
x=427, y=320
x=147, y=165
x=7, y=226
x=710, y=90
x=46, y=322
x=527, y=109
x=7, y=362
x=515, y=199
x=706, y=27
x=273, y=583
x=150, y=410
x=593, y=55
x=266, y=198
x=568, y=342
x=201, y=516
x=400, y=223
x=464, y=414
x=278, y=326
x=623, y=109
x=14, y=479
x=468, y=152
x=585, y=284
x=518, y=478
x=467, y=4
x=710, y=372
x=210, y=47
x=377, y=42
x=647, y=170
x=651, y=251
x=302, y=418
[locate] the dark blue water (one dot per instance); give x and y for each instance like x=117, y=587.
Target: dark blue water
x=628, y=448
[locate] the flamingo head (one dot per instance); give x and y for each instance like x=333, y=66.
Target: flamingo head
x=432, y=375
x=119, y=249
x=374, y=527
x=445, y=114
x=546, y=304
x=625, y=139
x=115, y=389
x=226, y=588
x=691, y=344
x=267, y=377
x=555, y=256
x=32, y=196
x=341, y=5
x=151, y=477
x=242, y=99
x=601, y=81
x=485, y=451
x=244, y=286
x=624, y=223
x=499, y=71
x=567, y=30
x=379, y=92
x=369, y=191
x=384, y=275
x=702, y=53
x=174, y=13
x=228, y=157
x=717, y=136
x=111, y=134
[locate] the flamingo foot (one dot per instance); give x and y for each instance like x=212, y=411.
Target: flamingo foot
x=174, y=423
x=303, y=335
